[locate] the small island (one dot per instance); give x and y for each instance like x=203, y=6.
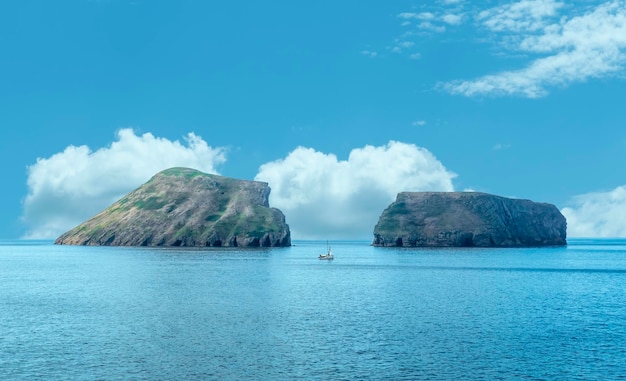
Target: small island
x=186, y=207
x=467, y=219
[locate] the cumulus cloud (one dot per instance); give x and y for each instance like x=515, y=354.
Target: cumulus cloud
x=323, y=197
x=574, y=48
x=600, y=214
x=73, y=185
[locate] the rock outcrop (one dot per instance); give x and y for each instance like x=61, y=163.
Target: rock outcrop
x=441, y=219
x=185, y=207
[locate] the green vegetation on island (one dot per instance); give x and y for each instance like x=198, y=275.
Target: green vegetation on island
x=186, y=207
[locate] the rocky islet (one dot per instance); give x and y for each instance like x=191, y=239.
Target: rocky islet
x=466, y=219
x=186, y=207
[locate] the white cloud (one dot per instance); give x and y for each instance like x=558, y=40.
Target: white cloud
x=71, y=186
x=452, y=19
x=521, y=16
x=602, y=30
x=576, y=48
x=415, y=56
x=419, y=123
x=601, y=214
x=429, y=26
x=323, y=197
x=430, y=22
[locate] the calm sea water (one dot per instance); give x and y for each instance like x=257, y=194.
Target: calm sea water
x=87, y=313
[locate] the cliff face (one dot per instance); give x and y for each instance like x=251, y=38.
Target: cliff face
x=434, y=219
x=185, y=207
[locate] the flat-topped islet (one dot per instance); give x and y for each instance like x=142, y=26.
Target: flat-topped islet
x=441, y=219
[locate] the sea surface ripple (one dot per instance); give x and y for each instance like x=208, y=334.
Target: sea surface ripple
x=104, y=313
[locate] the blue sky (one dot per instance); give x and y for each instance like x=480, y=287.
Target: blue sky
x=338, y=105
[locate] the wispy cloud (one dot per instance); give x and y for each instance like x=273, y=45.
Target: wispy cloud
x=500, y=146
x=71, y=186
x=573, y=49
x=429, y=21
x=324, y=197
x=419, y=123
x=561, y=43
x=429, y=26
x=435, y=20
x=601, y=214
x=369, y=53
x=417, y=16
x=521, y=16
x=401, y=46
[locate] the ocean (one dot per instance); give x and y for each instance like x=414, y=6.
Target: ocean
x=111, y=313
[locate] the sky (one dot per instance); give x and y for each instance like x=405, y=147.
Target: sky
x=337, y=105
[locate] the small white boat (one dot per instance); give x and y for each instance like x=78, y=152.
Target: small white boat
x=328, y=255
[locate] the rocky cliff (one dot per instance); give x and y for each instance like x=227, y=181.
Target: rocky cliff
x=185, y=207
x=434, y=219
